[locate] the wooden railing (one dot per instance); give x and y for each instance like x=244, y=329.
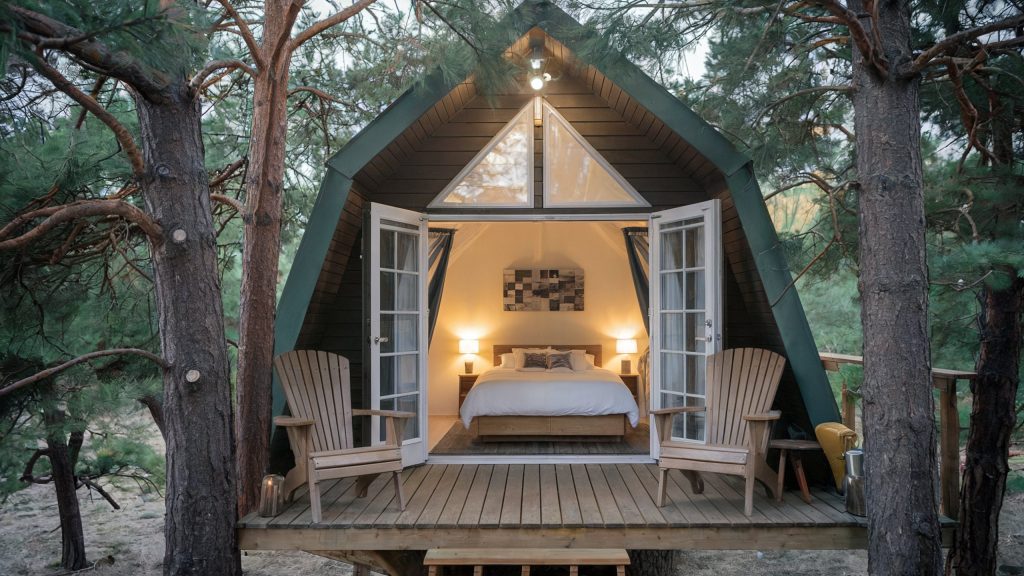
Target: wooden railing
x=949, y=423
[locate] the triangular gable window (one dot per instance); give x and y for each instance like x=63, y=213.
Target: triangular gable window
x=501, y=175
x=576, y=175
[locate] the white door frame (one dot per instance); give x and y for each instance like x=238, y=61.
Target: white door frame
x=414, y=451
x=713, y=283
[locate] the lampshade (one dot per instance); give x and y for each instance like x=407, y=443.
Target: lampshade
x=627, y=346
x=469, y=346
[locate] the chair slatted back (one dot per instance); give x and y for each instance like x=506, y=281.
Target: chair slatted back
x=316, y=385
x=739, y=381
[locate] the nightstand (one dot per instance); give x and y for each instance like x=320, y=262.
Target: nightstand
x=466, y=382
x=632, y=381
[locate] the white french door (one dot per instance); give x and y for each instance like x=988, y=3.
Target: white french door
x=685, y=308
x=398, y=323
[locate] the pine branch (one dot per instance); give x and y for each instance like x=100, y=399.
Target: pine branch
x=38, y=376
x=123, y=136
x=246, y=33
x=118, y=64
x=961, y=37
x=56, y=215
x=337, y=18
x=228, y=64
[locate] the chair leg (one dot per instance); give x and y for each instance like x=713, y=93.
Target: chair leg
x=662, y=485
x=399, y=490
x=748, y=496
x=363, y=484
x=696, y=482
x=314, y=495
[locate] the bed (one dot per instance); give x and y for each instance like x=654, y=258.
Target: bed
x=512, y=405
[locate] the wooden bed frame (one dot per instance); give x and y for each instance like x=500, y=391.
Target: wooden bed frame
x=526, y=428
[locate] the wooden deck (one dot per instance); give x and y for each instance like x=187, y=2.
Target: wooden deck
x=554, y=506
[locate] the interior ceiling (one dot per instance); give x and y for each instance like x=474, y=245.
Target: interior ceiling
x=416, y=138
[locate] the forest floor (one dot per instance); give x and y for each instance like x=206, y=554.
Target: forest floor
x=129, y=542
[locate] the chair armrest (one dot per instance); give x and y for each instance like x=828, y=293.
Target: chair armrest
x=679, y=410
x=293, y=421
x=384, y=413
x=772, y=415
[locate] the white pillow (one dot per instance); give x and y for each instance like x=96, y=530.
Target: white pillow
x=560, y=369
x=507, y=360
x=518, y=354
x=581, y=360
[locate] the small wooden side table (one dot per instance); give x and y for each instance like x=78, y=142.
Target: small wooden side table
x=632, y=381
x=466, y=382
x=796, y=447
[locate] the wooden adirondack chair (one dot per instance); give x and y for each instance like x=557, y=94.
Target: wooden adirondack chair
x=316, y=385
x=741, y=385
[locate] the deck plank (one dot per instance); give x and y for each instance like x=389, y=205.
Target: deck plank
x=631, y=514
x=302, y=514
x=512, y=503
x=449, y=516
x=550, y=511
x=678, y=484
x=490, y=515
x=734, y=495
x=589, y=509
x=436, y=504
x=679, y=498
x=530, y=505
x=611, y=516
x=475, y=499
x=649, y=510
x=567, y=499
x=411, y=482
x=358, y=505
x=422, y=497
x=649, y=483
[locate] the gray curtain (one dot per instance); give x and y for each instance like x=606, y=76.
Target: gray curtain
x=439, y=247
x=637, y=249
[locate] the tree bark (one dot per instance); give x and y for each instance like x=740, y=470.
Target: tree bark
x=199, y=528
x=899, y=421
x=62, y=472
x=261, y=247
x=993, y=417
x=651, y=562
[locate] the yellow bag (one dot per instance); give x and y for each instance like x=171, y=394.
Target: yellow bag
x=835, y=439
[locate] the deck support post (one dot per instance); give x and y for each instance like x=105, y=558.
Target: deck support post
x=949, y=446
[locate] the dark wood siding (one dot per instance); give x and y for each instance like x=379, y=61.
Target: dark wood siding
x=632, y=152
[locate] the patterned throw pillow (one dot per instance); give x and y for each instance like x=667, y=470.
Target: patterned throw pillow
x=531, y=360
x=560, y=360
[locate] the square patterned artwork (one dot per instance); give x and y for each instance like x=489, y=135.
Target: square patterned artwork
x=543, y=290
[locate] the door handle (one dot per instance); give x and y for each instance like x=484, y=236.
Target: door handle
x=381, y=339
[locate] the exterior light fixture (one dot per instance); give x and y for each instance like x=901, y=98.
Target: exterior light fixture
x=537, y=82
x=537, y=58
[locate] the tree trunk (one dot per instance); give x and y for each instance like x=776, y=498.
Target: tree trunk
x=898, y=417
x=62, y=470
x=261, y=247
x=993, y=418
x=651, y=562
x=199, y=528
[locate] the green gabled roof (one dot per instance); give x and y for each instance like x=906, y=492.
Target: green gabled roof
x=709, y=142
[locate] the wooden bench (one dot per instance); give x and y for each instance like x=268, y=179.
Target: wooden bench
x=438, y=558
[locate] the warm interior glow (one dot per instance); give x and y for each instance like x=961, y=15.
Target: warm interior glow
x=626, y=346
x=469, y=346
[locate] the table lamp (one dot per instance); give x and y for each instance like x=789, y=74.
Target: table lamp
x=469, y=347
x=626, y=346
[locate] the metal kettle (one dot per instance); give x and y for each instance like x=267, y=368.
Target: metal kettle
x=853, y=482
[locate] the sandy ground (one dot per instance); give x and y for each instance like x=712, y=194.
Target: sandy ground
x=132, y=537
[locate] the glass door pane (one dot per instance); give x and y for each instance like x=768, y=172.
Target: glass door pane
x=397, y=324
x=685, y=303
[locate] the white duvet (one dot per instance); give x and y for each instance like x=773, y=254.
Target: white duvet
x=506, y=392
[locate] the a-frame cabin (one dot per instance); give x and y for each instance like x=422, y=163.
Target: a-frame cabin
x=641, y=158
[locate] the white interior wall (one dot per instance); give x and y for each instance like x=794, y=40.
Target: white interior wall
x=471, y=305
